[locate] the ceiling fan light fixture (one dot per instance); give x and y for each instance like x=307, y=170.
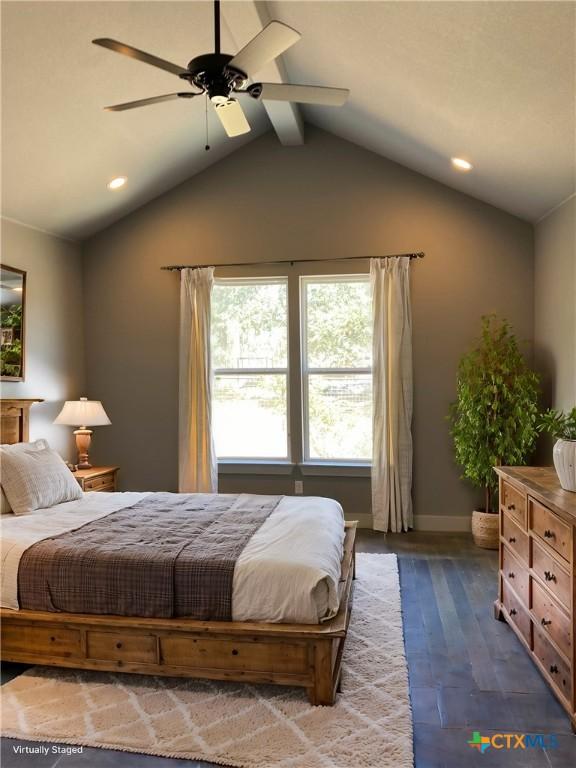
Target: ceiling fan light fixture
x=461, y=165
x=117, y=182
x=219, y=99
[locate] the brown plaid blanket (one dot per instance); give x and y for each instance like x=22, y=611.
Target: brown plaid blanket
x=168, y=555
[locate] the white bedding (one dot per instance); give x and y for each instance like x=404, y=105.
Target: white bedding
x=288, y=572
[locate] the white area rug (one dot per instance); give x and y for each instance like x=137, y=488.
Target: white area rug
x=241, y=725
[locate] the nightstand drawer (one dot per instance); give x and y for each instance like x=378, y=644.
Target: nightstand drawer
x=98, y=483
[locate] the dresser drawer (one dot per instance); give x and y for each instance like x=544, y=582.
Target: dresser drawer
x=551, y=573
x=516, y=573
x=551, y=529
x=513, y=502
x=51, y=641
x=518, y=614
x=122, y=647
x=515, y=537
x=557, y=671
x=104, y=482
x=551, y=618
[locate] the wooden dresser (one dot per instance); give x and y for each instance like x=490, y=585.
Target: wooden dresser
x=537, y=584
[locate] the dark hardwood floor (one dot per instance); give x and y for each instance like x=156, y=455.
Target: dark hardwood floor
x=467, y=671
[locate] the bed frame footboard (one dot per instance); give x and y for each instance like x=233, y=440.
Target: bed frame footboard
x=305, y=655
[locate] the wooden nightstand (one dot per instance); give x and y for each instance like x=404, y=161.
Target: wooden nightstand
x=97, y=478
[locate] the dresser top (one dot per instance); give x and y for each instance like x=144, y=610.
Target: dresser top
x=542, y=483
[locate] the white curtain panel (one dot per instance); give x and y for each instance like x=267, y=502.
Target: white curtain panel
x=198, y=468
x=392, y=394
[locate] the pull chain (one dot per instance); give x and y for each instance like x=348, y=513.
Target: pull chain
x=207, y=147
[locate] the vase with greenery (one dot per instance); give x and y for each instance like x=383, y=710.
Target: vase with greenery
x=562, y=427
x=493, y=421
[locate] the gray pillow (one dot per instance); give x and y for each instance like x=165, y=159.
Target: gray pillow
x=36, y=479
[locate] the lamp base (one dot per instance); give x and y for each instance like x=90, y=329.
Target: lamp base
x=83, y=440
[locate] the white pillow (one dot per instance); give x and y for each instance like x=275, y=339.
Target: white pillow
x=36, y=479
x=37, y=445
x=5, y=508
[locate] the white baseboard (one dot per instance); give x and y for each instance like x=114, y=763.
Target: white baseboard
x=440, y=523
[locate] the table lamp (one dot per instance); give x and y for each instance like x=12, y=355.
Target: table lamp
x=83, y=413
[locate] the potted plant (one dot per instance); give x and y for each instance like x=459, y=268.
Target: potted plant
x=493, y=421
x=562, y=427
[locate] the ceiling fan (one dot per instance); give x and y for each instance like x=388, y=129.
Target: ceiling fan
x=219, y=75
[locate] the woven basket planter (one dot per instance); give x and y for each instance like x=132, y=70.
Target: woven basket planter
x=485, y=527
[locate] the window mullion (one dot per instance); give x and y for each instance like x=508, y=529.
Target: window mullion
x=249, y=371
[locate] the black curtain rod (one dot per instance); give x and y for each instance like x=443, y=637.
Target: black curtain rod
x=178, y=267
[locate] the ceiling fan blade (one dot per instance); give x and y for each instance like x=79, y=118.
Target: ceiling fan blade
x=304, y=94
x=151, y=100
x=135, y=53
x=274, y=39
x=232, y=117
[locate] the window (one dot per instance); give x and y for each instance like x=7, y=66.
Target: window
x=336, y=368
x=252, y=401
x=250, y=362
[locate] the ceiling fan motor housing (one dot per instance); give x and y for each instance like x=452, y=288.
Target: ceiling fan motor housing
x=211, y=73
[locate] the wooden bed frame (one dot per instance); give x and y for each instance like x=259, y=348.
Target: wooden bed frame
x=304, y=655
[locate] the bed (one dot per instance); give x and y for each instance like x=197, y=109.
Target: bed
x=274, y=651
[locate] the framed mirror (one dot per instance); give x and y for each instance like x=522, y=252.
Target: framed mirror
x=12, y=309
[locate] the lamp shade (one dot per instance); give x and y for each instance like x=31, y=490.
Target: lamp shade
x=82, y=413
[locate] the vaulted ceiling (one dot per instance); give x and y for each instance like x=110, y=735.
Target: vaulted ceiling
x=493, y=82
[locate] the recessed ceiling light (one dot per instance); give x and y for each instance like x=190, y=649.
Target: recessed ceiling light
x=118, y=182
x=461, y=164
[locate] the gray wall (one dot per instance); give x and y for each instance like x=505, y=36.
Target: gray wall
x=326, y=199
x=54, y=333
x=555, y=305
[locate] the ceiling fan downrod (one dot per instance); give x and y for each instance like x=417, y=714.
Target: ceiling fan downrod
x=216, y=26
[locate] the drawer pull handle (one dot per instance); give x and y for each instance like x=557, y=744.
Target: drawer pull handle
x=52, y=639
x=513, y=611
x=511, y=507
x=545, y=622
x=234, y=652
x=549, y=576
x=511, y=575
x=553, y=669
x=512, y=540
x=118, y=645
x=548, y=534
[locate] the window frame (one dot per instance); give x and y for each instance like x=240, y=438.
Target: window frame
x=231, y=372
x=306, y=372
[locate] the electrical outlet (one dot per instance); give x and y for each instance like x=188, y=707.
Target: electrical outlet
x=298, y=487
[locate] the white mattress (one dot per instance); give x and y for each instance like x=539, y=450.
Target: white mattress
x=288, y=572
